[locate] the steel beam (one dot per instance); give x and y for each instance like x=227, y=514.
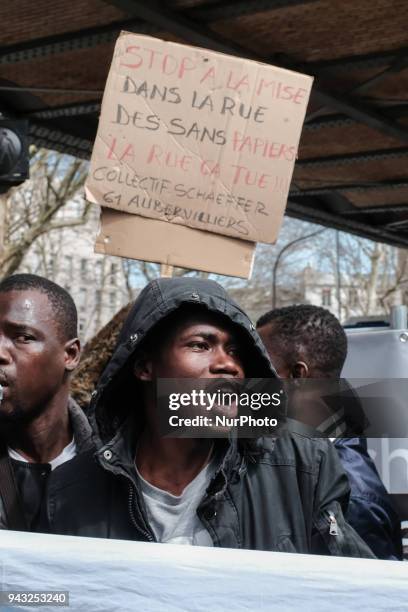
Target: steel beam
x=397, y=224
x=317, y=191
x=60, y=140
x=352, y=158
x=357, y=62
x=378, y=210
x=362, y=113
x=68, y=110
x=53, y=90
x=164, y=19
x=234, y=9
x=90, y=37
x=336, y=203
x=339, y=120
x=312, y=211
x=334, y=120
x=168, y=21
x=97, y=35
x=399, y=63
x=69, y=41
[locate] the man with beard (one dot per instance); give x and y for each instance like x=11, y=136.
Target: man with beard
x=41, y=427
x=285, y=494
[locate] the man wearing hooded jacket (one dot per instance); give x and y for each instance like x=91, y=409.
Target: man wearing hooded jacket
x=283, y=494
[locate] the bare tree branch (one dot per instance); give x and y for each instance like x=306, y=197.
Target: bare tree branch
x=33, y=209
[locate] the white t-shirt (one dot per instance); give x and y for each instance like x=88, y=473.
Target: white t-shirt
x=66, y=454
x=173, y=518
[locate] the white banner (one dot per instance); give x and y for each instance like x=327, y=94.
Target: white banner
x=106, y=575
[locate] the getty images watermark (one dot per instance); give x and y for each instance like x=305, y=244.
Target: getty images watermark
x=209, y=401
x=328, y=408
x=215, y=407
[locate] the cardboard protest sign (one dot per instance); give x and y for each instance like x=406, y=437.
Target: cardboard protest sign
x=197, y=138
x=146, y=239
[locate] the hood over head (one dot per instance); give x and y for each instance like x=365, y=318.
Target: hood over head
x=116, y=392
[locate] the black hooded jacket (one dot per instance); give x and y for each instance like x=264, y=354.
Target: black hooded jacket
x=287, y=494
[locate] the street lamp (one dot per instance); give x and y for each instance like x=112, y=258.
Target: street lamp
x=288, y=246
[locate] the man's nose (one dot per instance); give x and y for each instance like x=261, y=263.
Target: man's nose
x=224, y=363
x=5, y=356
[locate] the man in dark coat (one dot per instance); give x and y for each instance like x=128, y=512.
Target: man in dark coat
x=41, y=427
x=286, y=493
x=308, y=342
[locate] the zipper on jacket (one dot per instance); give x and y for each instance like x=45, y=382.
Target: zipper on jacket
x=334, y=529
x=146, y=534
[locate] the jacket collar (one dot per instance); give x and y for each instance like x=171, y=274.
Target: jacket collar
x=80, y=427
x=118, y=457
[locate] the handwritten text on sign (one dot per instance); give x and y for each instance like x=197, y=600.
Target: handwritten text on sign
x=197, y=138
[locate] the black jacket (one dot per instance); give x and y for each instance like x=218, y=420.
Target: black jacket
x=370, y=509
x=285, y=494
x=31, y=478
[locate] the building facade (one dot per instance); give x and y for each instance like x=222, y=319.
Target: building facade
x=99, y=284
x=309, y=286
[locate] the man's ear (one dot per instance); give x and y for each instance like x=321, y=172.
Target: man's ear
x=300, y=370
x=72, y=351
x=143, y=368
